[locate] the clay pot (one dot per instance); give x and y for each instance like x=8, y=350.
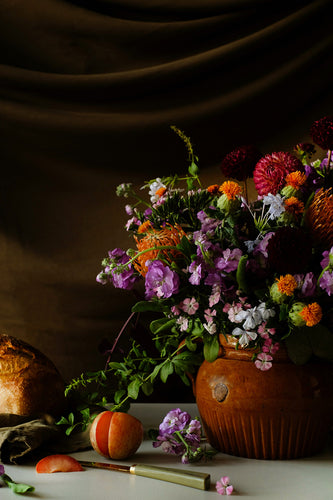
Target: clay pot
x=283, y=413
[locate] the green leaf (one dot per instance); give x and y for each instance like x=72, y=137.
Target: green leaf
x=305, y=341
x=321, y=340
x=155, y=372
x=147, y=388
x=191, y=346
x=211, y=349
x=241, y=273
x=185, y=246
x=298, y=346
x=144, y=306
x=19, y=488
x=166, y=370
x=161, y=324
x=119, y=395
x=193, y=169
x=134, y=388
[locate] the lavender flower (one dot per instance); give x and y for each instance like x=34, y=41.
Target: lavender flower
x=326, y=282
x=180, y=435
x=161, y=281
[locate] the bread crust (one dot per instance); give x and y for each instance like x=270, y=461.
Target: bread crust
x=30, y=384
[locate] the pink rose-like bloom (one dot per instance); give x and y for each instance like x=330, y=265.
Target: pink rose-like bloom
x=223, y=487
x=270, y=172
x=263, y=361
x=190, y=306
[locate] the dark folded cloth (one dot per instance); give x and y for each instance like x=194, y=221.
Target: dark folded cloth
x=23, y=438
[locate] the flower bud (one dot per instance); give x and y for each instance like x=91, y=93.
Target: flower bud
x=289, y=191
x=276, y=295
x=294, y=314
x=226, y=204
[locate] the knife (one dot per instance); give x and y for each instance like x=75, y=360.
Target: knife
x=193, y=479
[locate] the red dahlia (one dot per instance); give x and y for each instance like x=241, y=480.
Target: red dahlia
x=270, y=172
x=239, y=163
x=322, y=132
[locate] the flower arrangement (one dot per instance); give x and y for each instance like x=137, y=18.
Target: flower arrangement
x=214, y=262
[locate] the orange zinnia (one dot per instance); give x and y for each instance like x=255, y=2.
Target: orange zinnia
x=312, y=314
x=231, y=189
x=286, y=284
x=294, y=206
x=296, y=179
x=213, y=189
x=152, y=242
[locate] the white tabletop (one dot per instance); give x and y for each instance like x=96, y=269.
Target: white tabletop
x=302, y=479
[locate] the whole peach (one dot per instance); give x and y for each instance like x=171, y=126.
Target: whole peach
x=116, y=435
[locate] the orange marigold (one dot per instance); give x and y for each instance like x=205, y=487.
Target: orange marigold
x=294, y=206
x=231, y=189
x=151, y=245
x=286, y=284
x=296, y=179
x=312, y=314
x=213, y=189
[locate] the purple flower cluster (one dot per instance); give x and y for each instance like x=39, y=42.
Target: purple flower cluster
x=180, y=435
x=118, y=270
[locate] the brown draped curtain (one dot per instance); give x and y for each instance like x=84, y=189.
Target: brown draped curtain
x=88, y=91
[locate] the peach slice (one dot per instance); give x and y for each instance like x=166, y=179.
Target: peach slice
x=58, y=463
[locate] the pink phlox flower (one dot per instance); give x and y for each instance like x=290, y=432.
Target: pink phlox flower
x=209, y=315
x=326, y=282
x=263, y=361
x=232, y=311
x=270, y=347
x=175, y=310
x=245, y=336
x=183, y=323
x=265, y=332
x=190, y=306
x=223, y=486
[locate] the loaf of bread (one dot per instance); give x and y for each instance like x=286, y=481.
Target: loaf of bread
x=30, y=384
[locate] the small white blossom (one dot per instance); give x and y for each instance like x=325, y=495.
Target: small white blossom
x=210, y=327
x=276, y=205
x=155, y=186
x=245, y=336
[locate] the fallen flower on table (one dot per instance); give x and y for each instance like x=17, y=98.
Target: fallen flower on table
x=179, y=434
x=19, y=488
x=223, y=487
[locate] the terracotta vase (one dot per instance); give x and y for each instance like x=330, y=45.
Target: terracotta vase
x=283, y=413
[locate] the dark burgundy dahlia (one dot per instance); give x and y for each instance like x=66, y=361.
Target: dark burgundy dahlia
x=270, y=172
x=322, y=132
x=289, y=251
x=239, y=163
